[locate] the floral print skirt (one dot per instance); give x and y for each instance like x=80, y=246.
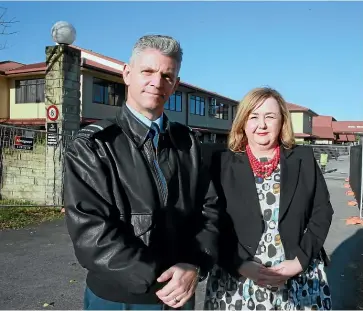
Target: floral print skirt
x=308, y=291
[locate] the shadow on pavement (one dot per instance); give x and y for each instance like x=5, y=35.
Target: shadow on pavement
x=345, y=273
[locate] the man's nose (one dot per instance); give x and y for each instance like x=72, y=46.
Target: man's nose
x=156, y=80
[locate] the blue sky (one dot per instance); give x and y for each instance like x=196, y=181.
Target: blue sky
x=312, y=52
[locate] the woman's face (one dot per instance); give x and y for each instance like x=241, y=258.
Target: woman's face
x=264, y=125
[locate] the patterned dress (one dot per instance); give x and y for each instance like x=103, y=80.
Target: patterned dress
x=308, y=291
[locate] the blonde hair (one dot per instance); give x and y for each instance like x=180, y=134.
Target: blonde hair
x=237, y=139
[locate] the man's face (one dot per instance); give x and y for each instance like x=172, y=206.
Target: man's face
x=151, y=78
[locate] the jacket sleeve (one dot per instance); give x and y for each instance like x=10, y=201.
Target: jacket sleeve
x=102, y=241
x=208, y=232
x=319, y=223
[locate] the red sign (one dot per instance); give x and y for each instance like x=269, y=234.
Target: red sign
x=21, y=142
x=52, y=113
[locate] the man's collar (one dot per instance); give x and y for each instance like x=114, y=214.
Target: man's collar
x=133, y=127
x=145, y=120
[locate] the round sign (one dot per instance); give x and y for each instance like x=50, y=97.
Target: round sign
x=52, y=113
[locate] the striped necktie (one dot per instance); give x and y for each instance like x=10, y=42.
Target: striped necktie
x=155, y=132
x=154, y=135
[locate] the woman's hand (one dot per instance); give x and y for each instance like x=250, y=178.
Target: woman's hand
x=251, y=270
x=280, y=273
x=259, y=274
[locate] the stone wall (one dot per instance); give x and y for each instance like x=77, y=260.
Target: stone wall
x=62, y=86
x=29, y=178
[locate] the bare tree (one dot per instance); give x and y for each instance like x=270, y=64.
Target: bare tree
x=5, y=26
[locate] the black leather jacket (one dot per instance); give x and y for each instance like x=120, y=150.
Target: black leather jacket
x=125, y=231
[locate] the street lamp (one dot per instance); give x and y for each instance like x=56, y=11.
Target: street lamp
x=63, y=33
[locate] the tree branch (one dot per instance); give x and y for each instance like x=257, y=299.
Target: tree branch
x=5, y=24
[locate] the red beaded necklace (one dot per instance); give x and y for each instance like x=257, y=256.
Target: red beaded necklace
x=263, y=169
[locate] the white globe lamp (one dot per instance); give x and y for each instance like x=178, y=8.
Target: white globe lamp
x=63, y=33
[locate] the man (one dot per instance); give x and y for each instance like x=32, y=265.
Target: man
x=140, y=210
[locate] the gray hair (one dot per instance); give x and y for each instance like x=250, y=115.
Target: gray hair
x=166, y=45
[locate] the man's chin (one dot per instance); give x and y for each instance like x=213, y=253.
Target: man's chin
x=153, y=105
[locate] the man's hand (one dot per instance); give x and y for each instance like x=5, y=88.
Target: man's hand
x=280, y=273
x=181, y=287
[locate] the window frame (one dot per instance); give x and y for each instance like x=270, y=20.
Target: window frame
x=24, y=85
x=193, y=101
x=215, y=108
x=110, y=89
x=175, y=95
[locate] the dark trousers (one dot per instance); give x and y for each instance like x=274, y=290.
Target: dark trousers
x=93, y=302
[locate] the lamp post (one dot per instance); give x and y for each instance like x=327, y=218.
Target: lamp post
x=62, y=103
x=63, y=33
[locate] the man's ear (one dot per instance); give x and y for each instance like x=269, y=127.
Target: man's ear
x=126, y=73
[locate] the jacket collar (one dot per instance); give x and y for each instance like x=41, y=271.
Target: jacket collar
x=290, y=169
x=133, y=127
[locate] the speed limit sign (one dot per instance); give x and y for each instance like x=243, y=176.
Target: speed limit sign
x=52, y=113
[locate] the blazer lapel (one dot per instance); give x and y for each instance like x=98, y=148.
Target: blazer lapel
x=290, y=169
x=245, y=181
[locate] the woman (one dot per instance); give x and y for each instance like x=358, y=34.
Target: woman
x=278, y=214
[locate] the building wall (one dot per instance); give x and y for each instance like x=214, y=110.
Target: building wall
x=27, y=110
x=307, y=123
x=206, y=120
x=4, y=98
x=297, y=119
x=176, y=116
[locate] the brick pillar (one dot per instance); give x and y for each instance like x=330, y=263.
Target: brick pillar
x=62, y=103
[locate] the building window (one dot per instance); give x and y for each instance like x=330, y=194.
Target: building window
x=197, y=105
x=218, y=110
x=108, y=93
x=175, y=102
x=29, y=91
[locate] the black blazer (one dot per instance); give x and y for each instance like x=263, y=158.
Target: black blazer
x=305, y=208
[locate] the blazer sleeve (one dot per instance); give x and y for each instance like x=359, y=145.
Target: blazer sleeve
x=231, y=254
x=320, y=220
x=101, y=240
x=208, y=207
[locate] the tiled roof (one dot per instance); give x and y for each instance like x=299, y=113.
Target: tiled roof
x=351, y=138
x=37, y=67
x=346, y=138
x=323, y=132
x=39, y=121
x=8, y=65
x=294, y=107
x=303, y=135
x=298, y=108
x=94, y=65
x=322, y=121
x=98, y=55
x=347, y=126
x=188, y=85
